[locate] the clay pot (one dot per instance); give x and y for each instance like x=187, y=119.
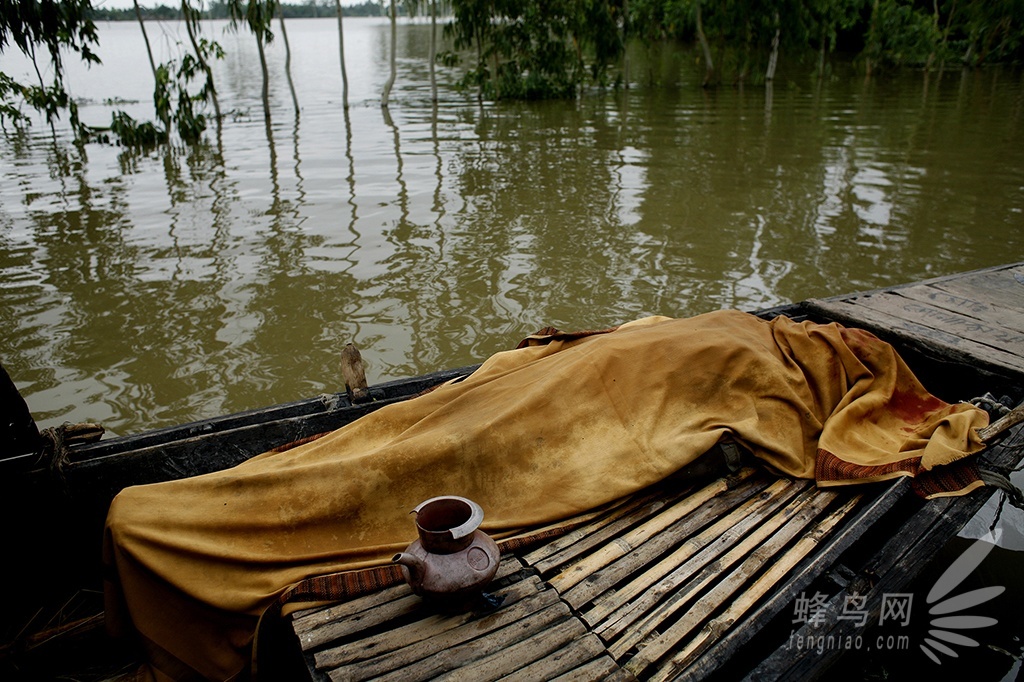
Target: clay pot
x=451, y=556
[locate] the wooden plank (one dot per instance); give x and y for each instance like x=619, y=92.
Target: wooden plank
x=664, y=639
x=729, y=646
x=925, y=339
x=601, y=669
x=503, y=661
x=1003, y=288
x=601, y=570
x=695, y=552
x=438, y=643
x=890, y=570
x=580, y=652
x=737, y=608
x=430, y=625
x=570, y=546
x=668, y=597
x=965, y=302
x=980, y=332
x=305, y=621
x=717, y=493
x=357, y=622
x=458, y=652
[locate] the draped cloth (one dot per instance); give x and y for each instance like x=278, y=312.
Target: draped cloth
x=559, y=426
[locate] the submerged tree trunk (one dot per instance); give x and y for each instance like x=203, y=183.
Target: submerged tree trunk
x=873, y=47
x=341, y=52
x=163, y=107
x=287, y=58
x=625, y=38
x=266, y=76
x=709, y=64
x=391, y=77
x=433, y=50
x=773, y=59
x=821, y=54
x=191, y=17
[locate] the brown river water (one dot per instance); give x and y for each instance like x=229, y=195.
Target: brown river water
x=146, y=290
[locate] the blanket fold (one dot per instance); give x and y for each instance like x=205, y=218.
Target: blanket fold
x=561, y=425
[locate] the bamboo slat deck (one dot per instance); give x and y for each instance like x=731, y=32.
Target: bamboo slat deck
x=644, y=590
x=684, y=580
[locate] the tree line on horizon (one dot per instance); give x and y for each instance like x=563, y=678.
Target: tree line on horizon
x=522, y=49
x=220, y=9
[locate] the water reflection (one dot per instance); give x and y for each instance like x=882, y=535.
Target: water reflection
x=144, y=290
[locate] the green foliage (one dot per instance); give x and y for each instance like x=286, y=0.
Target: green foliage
x=59, y=27
x=535, y=49
x=901, y=34
x=137, y=135
x=884, y=33
x=258, y=15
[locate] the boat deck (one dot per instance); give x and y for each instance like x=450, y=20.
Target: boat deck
x=703, y=578
x=976, y=318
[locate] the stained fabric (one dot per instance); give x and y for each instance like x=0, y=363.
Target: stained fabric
x=559, y=426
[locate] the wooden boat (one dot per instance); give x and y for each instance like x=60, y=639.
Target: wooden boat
x=648, y=589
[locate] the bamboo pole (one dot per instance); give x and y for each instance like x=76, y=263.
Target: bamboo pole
x=616, y=519
x=431, y=625
x=696, y=552
x=678, y=590
x=711, y=632
x=627, y=543
x=606, y=582
x=660, y=644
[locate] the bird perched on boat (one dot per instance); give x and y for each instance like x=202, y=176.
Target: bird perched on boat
x=353, y=371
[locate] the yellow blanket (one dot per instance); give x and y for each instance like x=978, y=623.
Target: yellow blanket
x=562, y=425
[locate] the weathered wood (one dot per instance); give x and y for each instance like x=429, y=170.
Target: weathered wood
x=580, y=652
x=979, y=331
x=711, y=494
x=726, y=648
x=506, y=660
x=310, y=619
x=649, y=613
x=738, y=607
x=924, y=339
x=696, y=552
x=571, y=545
x=457, y=647
x=602, y=668
x=540, y=599
x=658, y=645
x=899, y=561
x=968, y=301
x=1004, y=423
x=353, y=373
x=1001, y=289
x=428, y=625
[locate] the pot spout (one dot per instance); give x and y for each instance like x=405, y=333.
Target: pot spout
x=414, y=565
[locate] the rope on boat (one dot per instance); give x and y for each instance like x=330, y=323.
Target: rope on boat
x=995, y=407
x=57, y=442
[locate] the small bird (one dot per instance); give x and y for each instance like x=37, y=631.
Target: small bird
x=353, y=370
